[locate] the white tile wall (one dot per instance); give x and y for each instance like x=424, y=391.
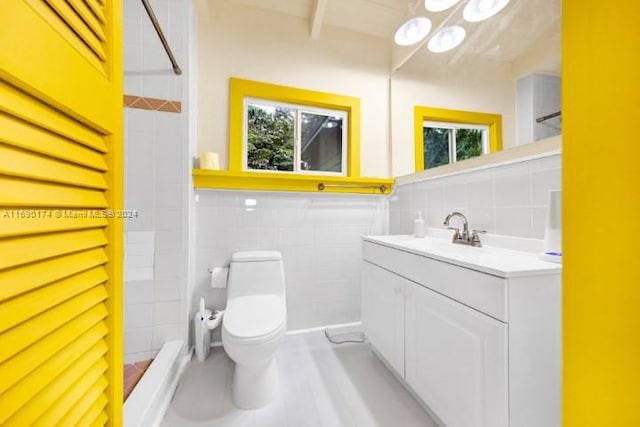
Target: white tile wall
x=138, y=292
x=509, y=199
x=318, y=235
x=138, y=315
x=156, y=181
x=138, y=251
x=147, y=68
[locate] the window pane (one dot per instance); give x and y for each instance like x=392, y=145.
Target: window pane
x=270, y=137
x=468, y=143
x=321, y=142
x=436, y=146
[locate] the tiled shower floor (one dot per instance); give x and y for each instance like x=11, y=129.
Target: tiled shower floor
x=132, y=374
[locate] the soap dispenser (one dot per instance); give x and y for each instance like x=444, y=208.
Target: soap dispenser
x=418, y=226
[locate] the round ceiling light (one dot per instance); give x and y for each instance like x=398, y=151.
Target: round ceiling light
x=479, y=10
x=446, y=39
x=412, y=31
x=438, y=5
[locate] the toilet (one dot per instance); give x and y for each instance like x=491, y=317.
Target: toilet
x=254, y=323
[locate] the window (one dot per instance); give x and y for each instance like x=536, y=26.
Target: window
x=448, y=136
x=288, y=139
x=445, y=143
x=291, y=131
x=294, y=138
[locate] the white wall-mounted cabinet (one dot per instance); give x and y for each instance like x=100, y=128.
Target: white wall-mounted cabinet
x=479, y=349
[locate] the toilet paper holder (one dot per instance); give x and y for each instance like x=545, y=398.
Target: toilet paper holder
x=219, y=277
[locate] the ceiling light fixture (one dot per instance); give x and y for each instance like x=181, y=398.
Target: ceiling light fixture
x=479, y=10
x=412, y=31
x=446, y=39
x=439, y=5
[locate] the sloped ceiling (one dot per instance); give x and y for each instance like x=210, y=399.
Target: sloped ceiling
x=378, y=18
x=504, y=37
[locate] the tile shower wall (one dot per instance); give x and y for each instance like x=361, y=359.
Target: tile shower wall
x=318, y=235
x=507, y=200
x=156, y=181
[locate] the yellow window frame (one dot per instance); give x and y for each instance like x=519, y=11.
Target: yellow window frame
x=422, y=114
x=238, y=178
x=239, y=89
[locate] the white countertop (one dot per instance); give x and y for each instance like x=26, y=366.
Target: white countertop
x=487, y=259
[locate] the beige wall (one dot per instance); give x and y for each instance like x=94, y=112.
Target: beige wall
x=275, y=48
x=483, y=86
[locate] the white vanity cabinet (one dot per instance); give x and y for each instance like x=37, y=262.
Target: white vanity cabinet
x=456, y=359
x=475, y=335
x=383, y=313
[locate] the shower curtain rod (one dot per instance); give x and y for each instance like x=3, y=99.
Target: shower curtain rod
x=548, y=116
x=156, y=25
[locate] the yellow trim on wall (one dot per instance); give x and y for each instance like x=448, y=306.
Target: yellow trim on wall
x=422, y=114
x=601, y=194
x=240, y=89
x=115, y=230
x=204, y=178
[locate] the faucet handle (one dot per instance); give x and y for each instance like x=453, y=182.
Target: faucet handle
x=474, y=235
x=456, y=235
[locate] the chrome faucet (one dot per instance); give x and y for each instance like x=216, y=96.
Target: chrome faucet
x=463, y=238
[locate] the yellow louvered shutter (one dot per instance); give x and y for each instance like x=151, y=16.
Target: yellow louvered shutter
x=60, y=176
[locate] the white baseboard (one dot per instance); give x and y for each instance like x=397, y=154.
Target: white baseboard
x=341, y=327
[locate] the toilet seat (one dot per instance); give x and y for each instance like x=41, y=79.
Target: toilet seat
x=254, y=318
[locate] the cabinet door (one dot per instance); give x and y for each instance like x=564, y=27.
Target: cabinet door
x=383, y=313
x=456, y=360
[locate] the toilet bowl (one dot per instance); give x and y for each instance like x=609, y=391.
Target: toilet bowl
x=253, y=325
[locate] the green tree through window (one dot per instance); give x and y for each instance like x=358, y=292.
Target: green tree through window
x=468, y=143
x=436, y=146
x=444, y=144
x=279, y=135
x=270, y=138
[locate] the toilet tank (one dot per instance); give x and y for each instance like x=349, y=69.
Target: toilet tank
x=256, y=273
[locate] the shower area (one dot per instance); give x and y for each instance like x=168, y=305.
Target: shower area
x=157, y=193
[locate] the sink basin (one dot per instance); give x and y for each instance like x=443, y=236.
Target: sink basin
x=488, y=259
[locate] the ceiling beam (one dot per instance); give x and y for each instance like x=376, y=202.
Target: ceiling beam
x=317, y=18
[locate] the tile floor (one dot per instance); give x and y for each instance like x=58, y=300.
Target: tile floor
x=321, y=384
x=132, y=374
